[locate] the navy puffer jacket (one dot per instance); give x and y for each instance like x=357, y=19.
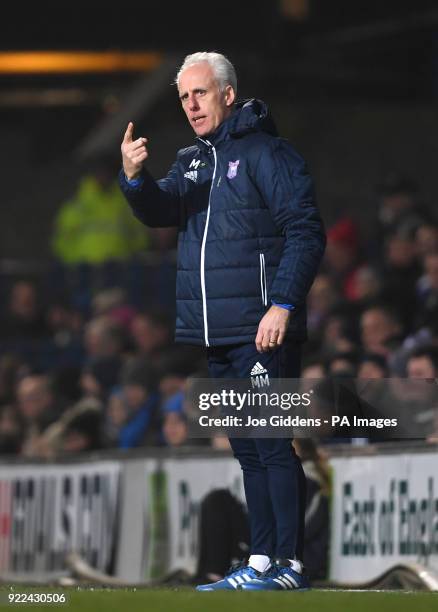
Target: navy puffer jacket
x=249, y=230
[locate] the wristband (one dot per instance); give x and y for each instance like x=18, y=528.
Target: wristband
x=285, y=306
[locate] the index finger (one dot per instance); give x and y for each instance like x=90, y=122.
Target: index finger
x=129, y=132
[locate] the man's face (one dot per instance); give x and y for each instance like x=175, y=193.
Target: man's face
x=203, y=102
x=369, y=369
x=147, y=335
x=421, y=367
x=33, y=397
x=376, y=329
x=23, y=300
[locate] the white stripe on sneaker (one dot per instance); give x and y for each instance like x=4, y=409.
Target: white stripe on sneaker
x=246, y=577
x=291, y=579
x=297, y=586
x=239, y=579
x=232, y=582
x=280, y=582
x=288, y=581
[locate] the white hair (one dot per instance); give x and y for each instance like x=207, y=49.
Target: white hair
x=223, y=69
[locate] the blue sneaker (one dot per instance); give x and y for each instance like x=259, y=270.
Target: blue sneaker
x=237, y=575
x=279, y=577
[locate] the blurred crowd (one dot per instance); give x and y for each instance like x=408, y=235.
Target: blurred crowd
x=373, y=308
x=110, y=377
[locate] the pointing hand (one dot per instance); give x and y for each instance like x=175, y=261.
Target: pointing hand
x=134, y=153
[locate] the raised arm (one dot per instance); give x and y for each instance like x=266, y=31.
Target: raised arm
x=154, y=203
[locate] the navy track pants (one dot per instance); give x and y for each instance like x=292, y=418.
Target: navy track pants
x=274, y=481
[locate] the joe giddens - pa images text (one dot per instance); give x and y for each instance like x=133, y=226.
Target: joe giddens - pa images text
x=278, y=420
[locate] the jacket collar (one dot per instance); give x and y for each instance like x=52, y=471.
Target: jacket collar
x=248, y=116
x=222, y=132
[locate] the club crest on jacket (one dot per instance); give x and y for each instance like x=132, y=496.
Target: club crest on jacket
x=232, y=168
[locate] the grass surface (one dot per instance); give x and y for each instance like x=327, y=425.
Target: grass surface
x=187, y=600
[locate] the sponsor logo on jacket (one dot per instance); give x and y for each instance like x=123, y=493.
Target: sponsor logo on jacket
x=192, y=173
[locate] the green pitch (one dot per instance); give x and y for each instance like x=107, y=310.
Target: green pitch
x=185, y=600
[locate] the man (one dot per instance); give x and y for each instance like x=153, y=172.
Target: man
x=250, y=242
x=423, y=363
x=379, y=328
x=419, y=399
x=38, y=408
x=94, y=226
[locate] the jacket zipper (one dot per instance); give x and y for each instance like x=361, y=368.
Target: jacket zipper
x=204, y=239
x=263, y=280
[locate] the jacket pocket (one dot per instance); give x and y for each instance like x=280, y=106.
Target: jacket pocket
x=263, y=280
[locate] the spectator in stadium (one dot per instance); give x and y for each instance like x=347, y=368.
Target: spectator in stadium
x=150, y=333
x=313, y=369
x=63, y=347
x=423, y=363
x=343, y=256
x=376, y=399
x=99, y=376
x=367, y=285
x=372, y=365
x=79, y=429
x=343, y=365
x=426, y=239
x=312, y=373
x=104, y=343
x=93, y=226
x=83, y=433
x=63, y=320
x=380, y=329
x=10, y=366
x=23, y=318
x=224, y=535
x=400, y=208
x=175, y=432
x=11, y=430
x=417, y=397
x=103, y=338
x=175, y=417
x=133, y=413
x=175, y=365
x=339, y=333
x=38, y=407
x=401, y=272
x=323, y=296
x=427, y=294
x=113, y=304
x=244, y=271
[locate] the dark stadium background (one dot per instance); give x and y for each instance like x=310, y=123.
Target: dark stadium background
x=353, y=85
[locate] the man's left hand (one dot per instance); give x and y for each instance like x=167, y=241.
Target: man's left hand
x=272, y=329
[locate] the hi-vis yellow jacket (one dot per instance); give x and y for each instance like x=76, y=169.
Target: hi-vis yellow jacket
x=97, y=226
